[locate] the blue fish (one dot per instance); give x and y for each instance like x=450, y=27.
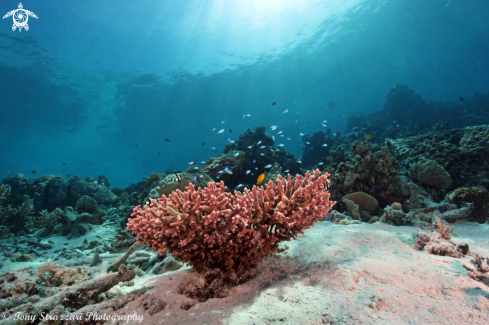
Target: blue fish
x=268, y=166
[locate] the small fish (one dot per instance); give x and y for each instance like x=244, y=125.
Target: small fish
x=324, y=145
x=202, y=162
x=282, y=135
x=325, y=121
x=268, y=166
x=368, y=137
x=274, y=103
x=273, y=138
x=300, y=162
x=285, y=111
x=214, y=148
x=221, y=171
x=254, y=161
x=195, y=177
x=301, y=134
x=289, y=139
x=321, y=163
x=248, y=115
x=258, y=143
x=279, y=133
x=256, y=168
x=136, y=146
x=191, y=163
x=236, y=154
x=244, y=116
x=230, y=131
x=280, y=145
x=231, y=141
x=307, y=142
x=222, y=122
x=196, y=167
x=177, y=178
x=34, y=172
x=286, y=171
x=167, y=140
x=213, y=129
x=461, y=98
x=220, y=131
x=159, y=153
x=215, y=166
x=273, y=127
x=229, y=171
x=323, y=124
x=249, y=147
x=262, y=147
x=225, y=169
x=202, y=143
x=201, y=175
x=239, y=185
x=248, y=171
x=65, y=164
x=260, y=178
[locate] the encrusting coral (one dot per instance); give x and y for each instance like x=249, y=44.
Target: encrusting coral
x=212, y=229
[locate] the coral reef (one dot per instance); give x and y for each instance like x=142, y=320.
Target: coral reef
x=462, y=152
x=258, y=149
x=360, y=205
x=429, y=172
x=367, y=172
x=479, y=197
x=210, y=228
x=438, y=242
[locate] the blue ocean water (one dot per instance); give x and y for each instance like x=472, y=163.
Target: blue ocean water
x=95, y=87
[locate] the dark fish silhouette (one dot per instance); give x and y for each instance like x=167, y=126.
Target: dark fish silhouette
x=274, y=103
x=65, y=164
x=34, y=172
x=167, y=140
x=229, y=130
x=136, y=146
x=461, y=98
x=202, y=143
x=159, y=153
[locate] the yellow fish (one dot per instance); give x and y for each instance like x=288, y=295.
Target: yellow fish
x=260, y=178
x=369, y=137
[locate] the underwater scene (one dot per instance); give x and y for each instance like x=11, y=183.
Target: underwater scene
x=244, y=162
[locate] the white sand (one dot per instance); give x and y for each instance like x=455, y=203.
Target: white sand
x=357, y=274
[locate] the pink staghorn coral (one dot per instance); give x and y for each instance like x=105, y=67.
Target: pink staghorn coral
x=210, y=228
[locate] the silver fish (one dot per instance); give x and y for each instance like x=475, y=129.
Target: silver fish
x=268, y=166
x=220, y=131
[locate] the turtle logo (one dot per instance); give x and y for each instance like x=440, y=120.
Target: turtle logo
x=20, y=17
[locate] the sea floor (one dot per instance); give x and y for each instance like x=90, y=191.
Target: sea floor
x=333, y=274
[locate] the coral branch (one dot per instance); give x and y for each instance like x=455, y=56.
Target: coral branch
x=210, y=228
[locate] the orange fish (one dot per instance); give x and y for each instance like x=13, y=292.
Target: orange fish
x=260, y=178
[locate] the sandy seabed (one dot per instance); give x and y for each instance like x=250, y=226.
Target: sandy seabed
x=334, y=274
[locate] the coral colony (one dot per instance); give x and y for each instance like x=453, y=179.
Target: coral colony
x=210, y=228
